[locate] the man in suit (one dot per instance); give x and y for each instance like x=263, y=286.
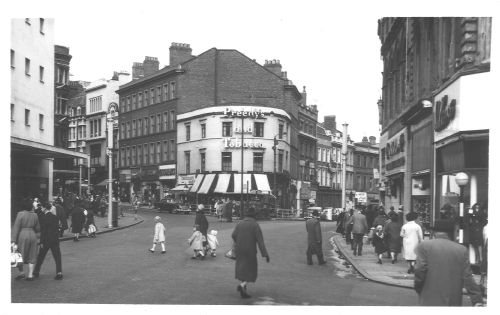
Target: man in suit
x=314, y=239
x=49, y=239
x=443, y=269
x=359, y=229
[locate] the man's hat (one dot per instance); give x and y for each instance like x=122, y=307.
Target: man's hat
x=315, y=213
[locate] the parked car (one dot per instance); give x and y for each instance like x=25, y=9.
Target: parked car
x=167, y=205
x=309, y=211
x=327, y=214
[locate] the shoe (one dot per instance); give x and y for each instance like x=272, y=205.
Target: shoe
x=20, y=277
x=163, y=251
x=213, y=255
x=354, y=253
x=59, y=276
x=379, y=262
x=393, y=261
x=310, y=263
x=322, y=263
x=29, y=279
x=152, y=251
x=193, y=257
x=36, y=274
x=410, y=271
x=359, y=254
x=243, y=293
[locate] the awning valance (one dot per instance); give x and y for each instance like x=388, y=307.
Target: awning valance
x=196, y=183
x=222, y=183
x=262, y=182
x=207, y=182
x=180, y=188
x=247, y=179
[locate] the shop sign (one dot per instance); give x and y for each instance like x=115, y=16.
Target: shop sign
x=305, y=191
x=376, y=174
x=396, y=163
x=234, y=143
x=248, y=130
x=361, y=196
x=167, y=171
x=185, y=179
x=444, y=113
x=395, y=146
x=252, y=113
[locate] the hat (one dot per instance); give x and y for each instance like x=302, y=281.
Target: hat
x=250, y=212
x=213, y=232
x=157, y=218
x=315, y=213
x=201, y=207
x=443, y=226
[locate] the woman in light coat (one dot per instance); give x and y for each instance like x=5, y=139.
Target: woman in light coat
x=196, y=243
x=159, y=237
x=411, y=233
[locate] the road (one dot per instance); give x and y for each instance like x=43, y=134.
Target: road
x=116, y=268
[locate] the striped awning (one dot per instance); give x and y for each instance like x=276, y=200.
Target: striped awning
x=222, y=183
x=247, y=179
x=196, y=183
x=262, y=182
x=207, y=182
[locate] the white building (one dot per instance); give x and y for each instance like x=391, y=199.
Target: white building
x=32, y=109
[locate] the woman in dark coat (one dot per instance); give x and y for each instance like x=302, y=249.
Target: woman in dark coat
x=393, y=237
x=202, y=222
x=379, y=243
x=246, y=236
x=77, y=220
x=381, y=218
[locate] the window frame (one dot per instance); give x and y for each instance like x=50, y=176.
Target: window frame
x=27, y=66
x=227, y=125
x=226, y=166
x=27, y=113
x=258, y=126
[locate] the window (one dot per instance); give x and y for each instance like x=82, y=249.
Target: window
x=158, y=152
x=40, y=121
x=139, y=127
x=203, y=131
x=122, y=157
x=28, y=21
x=187, y=159
x=11, y=112
x=128, y=129
x=165, y=121
x=172, y=90
x=286, y=160
x=172, y=150
x=146, y=98
x=134, y=128
x=122, y=131
x=227, y=129
x=42, y=22
x=280, y=161
x=172, y=119
x=152, y=96
x=129, y=157
x=158, y=95
x=258, y=129
x=202, y=161
x=27, y=63
x=280, y=130
x=134, y=102
x=145, y=126
x=258, y=162
x=165, y=151
x=151, y=153
x=152, y=123
x=27, y=117
x=188, y=132
x=139, y=154
x=145, y=152
x=12, y=59
x=227, y=161
x=95, y=153
x=165, y=92
x=139, y=100
x=128, y=104
x=158, y=123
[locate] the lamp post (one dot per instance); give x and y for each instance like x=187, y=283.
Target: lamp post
x=112, y=109
x=344, y=157
x=242, y=206
x=462, y=179
x=275, y=145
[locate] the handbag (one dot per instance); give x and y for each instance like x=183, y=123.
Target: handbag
x=15, y=257
x=231, y=254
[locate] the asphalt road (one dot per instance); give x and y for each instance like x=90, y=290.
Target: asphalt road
x=116, y=268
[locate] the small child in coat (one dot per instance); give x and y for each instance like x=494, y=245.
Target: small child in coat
x=212, y=242
x=378, y=242
x=196, y=243
x=159, y=237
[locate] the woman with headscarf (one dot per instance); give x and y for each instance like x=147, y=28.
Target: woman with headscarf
x=247, y=235
x=25, y=234
x=77, y=220
x=411, y=233
x=392, y=232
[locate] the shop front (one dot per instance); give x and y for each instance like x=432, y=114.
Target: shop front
x=461, y=134
x=150, y=183
x=394, y=161
x=167, y=180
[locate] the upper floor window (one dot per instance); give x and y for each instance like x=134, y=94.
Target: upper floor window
x=158, y=94
x=258, y=161
x=134, y=102
x=42, y=25
x=139, y=102
x=187, y=159
x=165, y=92
x=258, y=129
x=12, y=59
x=227, y=129
x=203, y=131
x=165, y=121
x=188, y=132
x=152, y=122
x=40, y=121
x=202, y=161
x=27, y=117
x=11, y=112
x=152, y=96
x=146, y=98
x=27, y=64
x=172, y=119
x=172, y=90
x=145, y=126
x=280, y=130
x=227, y=161
x=42, y=70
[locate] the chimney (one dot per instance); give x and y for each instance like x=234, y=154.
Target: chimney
x=304, y=96
x=373, y=140
x=274, y=66
x=137, y=70
x=330, y=123
x=151, y=65
x=365, y=139
x=314, y=108
x=179, y=53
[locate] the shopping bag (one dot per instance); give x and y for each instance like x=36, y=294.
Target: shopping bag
x=15, y=257
x=230, y=254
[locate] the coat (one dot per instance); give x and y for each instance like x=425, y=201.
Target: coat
x=441, y=271
x=61, y=216
x=202, y=221
x=247, y=235
x=360, y=226
x=49, y=229
x=24, y=234
x=378, y=243
x=313, y=229
x=393, y=239
x=77, y=220
x=196, y=241
x=159, y=232
x=411, y=233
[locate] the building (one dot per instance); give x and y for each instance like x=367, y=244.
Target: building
x=186, y=122
x=434, y=113
x=325, y=196
x=32, y=110
x=366, y=172
x=99, y=95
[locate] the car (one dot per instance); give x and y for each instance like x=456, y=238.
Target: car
x=309, y=211
x=167, y=205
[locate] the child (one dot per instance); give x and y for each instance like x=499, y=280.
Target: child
x=159, y=237
x=212, y=242
x=196, y=243
x=91, y=230
x=378, y=243
x=136, y=206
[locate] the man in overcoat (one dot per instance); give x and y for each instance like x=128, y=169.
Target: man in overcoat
x=49, y=239
x=359, y=229
x=202, y=222
x=443, y=269
x=314, y=239
x=247, y=235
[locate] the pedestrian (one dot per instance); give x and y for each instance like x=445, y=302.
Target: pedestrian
x=212, y=242
x=314, y=239
x=24, y=236
x=90, y=223
x=247, y=235
x=202, y=221
x=49, y=239
x=381, y=218
x=135, y=204
x=340, y=222
x=378, y=242
x=370, y=215
x=400, y=214
x=443, y=270
x=392, y=231
x=228, y=211
x=159, y=237
x=77, y=220
x=196, y=243
x=359, y=229
x=348, y=228
x=218, y=209
x=391, y=212
x=411, y=233
x=61, y=216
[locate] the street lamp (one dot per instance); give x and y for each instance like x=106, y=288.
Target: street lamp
x=112, y=110
x=275, y=145
x=462, y=179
